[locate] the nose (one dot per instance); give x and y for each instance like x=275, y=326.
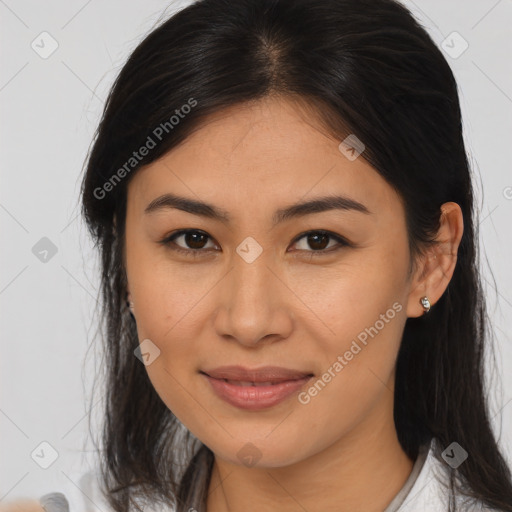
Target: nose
x=255, y=304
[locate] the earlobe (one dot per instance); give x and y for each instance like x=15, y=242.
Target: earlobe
x=421, y=298
x=129, y=303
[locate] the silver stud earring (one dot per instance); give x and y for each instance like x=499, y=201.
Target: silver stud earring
x=426, y=304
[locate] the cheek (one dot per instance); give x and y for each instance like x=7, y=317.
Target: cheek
x=169, y=316
x=361, y=308
x=358, y=362
x=347, y=300
x=168, y=311
x=166, y=293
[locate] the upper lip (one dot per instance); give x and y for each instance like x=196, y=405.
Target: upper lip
x=262, y=374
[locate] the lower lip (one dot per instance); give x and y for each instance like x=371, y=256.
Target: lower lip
x=254, y=398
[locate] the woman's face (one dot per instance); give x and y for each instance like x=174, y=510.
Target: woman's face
x=263, y=289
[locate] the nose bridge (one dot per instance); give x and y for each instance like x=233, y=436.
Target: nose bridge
x=251, y=282
x=251, y=306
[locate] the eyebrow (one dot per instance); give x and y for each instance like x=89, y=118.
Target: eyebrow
x=317, y=205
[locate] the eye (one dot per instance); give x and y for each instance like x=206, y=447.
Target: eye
x=319, y=242
x=194, y=240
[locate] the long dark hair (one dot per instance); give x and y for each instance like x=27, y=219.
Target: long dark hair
x=368, y=68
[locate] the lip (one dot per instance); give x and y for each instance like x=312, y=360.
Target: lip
x=263, y=374
x=257, y=397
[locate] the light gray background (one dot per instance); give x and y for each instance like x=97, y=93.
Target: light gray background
x=49, y=111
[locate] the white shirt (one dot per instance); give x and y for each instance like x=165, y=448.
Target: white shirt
x=426, y=489
x=423, y=491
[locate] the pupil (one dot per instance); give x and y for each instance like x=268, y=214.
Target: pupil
x=189, y=239
x=322, y=236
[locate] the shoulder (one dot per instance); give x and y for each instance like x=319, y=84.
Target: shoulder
x=81, y=493
x=430, y=490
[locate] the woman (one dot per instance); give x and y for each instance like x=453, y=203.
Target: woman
x=294, y=319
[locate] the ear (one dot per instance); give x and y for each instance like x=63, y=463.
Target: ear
x=129, y=302
x=435, y=269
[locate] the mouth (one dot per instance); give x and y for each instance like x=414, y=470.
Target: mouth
x=245, y=384
x=255, y=389
x=263, y=375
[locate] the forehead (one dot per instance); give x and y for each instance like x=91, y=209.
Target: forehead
x=262, y=154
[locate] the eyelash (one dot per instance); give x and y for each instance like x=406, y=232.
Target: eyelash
x=169, y=242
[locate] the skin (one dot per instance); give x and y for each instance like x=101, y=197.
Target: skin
x=27, y=505
x=286, y=308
